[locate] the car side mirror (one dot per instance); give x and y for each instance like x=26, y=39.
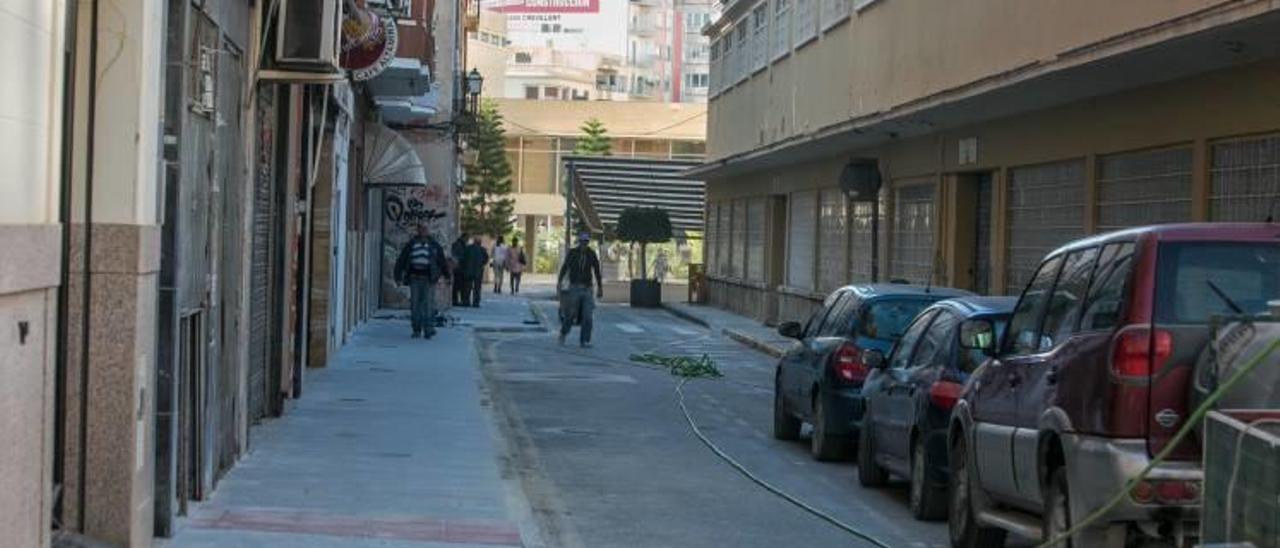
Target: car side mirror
x=978, y=335
x=874, y=359
x=790, y=330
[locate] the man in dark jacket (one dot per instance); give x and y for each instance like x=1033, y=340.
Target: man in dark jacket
x=421, y=264
x=579, y=266
x=474, y=261
x=457, y=252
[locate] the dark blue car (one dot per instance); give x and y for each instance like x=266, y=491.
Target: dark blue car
x=820, y=380
x=909, y=397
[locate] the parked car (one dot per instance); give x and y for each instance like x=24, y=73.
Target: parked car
x=1091, y=380
x=819, y=381
x=909, y=397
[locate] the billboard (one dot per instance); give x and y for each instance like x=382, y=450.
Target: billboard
x=545, y=6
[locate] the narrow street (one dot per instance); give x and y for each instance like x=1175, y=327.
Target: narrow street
x=607, y=458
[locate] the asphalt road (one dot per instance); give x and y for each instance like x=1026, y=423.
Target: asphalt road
x=606, y=457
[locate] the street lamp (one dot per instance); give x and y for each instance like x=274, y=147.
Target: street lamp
x=475, y=82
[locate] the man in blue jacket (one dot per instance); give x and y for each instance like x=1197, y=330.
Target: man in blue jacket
x=420, y=266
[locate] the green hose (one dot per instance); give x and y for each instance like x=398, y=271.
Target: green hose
x=1196, y=417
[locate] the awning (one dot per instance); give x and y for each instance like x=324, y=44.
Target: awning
x=389, y=159
x=606, y=185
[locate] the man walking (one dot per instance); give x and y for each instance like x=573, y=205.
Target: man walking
x=499, y=265
x=457, y=252
x=579, y=265
x=474, y=261
x=420, y=265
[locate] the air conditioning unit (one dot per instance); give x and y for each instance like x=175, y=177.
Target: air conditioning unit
x=308, y=33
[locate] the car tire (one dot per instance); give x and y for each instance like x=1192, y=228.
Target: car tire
x=928, y=502
x=786, y=426
x=825, y=446
x=870, y=474
x=962, y=523
x=1057, y=519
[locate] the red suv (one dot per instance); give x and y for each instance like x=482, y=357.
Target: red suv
x=1090, y=381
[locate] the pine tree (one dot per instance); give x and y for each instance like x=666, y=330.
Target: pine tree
x=487, y=206
x=595, y=140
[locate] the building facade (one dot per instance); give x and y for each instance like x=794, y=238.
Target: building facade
x=539, y=134
x=193, y=217
x=1000, y=130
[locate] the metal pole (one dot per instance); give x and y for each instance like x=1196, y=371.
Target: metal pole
x=568, y=207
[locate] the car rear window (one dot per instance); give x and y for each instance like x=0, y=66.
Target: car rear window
x=1190, y=275
x=887, y=319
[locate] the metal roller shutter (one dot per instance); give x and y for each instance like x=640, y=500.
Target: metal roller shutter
x=1144, y=188
x=755, y=239
x=1046, y=210
x=260, y=269
x=912, y=251
x=801, y=232
x=724, y=240
x=832, y=235
x=1246, y=180
x=860, y=242
x=739, y=239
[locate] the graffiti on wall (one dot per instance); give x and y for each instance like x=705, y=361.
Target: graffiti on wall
x=403, y=209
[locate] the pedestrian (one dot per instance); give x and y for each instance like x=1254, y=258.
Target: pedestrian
x=661, y=266
x=474, y=261
x=579, y=265
x=420, y=266
x=516, y=262
x=457, y=253
x=499, y=265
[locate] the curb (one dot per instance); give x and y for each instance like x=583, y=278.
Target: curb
x=754, y=343
x=692, y=318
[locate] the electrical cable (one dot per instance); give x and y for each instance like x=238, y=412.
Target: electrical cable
x=1196, y=417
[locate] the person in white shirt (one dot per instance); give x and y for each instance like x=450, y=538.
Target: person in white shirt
x=499, y=264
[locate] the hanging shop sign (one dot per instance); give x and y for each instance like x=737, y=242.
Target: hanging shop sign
x=369, y=44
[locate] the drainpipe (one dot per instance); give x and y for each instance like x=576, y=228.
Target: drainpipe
x=91, y=123
x=64, y=279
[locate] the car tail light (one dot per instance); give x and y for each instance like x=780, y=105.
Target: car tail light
x=944, y=394
x=848, y=365
x=1140, y=351
x=1166, y=492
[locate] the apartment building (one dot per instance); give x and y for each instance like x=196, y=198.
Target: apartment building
x=997, y=129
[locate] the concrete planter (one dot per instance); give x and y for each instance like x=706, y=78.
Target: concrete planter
x=646, y=293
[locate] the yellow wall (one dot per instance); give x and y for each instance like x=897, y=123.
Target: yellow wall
x=898, y=51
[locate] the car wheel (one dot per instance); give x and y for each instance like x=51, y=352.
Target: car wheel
x=1058, y=520
x=928, y=502
x=824, y=446
x=962, y=523
x=785, y=425
x=870, y=474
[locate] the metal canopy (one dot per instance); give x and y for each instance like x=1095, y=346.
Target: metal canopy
x=390, y=159
x=604, y=186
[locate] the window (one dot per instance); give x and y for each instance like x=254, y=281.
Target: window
x=1024, y=327
x=1245, y=179
x=759, y=36
x=523, y=57
x=1063, y=311
x=1247, y=274
x=912, y=252
x=1106, y=294
x=805, y=24
x=531, y=92
x=887, y=319
x=755, y=239
x=837, y=323
x=971, y=358
x=801, y=229
x=782, y=28
x=834, y=11
x=814, y=325
x=906, y=346
x=833, y=244
x=551, y=92
x=696, y=80
x=937, y=342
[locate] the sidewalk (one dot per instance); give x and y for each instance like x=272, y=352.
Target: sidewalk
x=389, y=446
x=739, y=328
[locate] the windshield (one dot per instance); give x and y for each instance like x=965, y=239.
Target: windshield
x=887, y=320
x=1198, y=280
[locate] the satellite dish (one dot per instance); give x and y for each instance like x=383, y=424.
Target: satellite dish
x=860, y=180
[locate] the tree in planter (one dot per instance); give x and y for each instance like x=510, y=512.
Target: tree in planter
x=595, y=140
x=487, y=206
x=644, y=226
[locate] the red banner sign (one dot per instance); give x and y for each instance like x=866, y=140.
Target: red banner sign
x=546, y=6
